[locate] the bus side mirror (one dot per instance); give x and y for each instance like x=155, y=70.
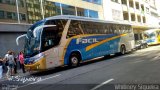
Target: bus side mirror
x=17, y=39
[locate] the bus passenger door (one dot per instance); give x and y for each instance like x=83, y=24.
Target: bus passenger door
x=49, y=45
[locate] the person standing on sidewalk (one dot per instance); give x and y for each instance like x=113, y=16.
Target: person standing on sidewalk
x=1, y=69
x=21, y=59
x=9, y=59
x=15, y=60
x=5, y=60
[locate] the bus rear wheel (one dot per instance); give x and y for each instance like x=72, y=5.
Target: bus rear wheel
x=74, y=60
x=123, y=49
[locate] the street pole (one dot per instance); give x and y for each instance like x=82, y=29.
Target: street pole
x=42, y=11
x=17, y=11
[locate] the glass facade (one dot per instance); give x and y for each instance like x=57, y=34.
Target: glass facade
x=93, y=14
x=21, y=3
x=34, y=10
x=57, y=8
x=94, y=1
x=68, y=10
x=30, y=11
x=82, y=12
x=8, y=13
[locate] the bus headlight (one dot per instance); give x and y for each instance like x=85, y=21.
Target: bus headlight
x=38, y=57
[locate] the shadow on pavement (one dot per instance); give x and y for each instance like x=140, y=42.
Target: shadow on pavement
x=59, y=69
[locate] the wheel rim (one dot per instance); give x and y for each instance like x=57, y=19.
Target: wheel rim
x=123, y=50
x=74, y=61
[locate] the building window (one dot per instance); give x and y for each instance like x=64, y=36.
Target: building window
x=115, y=1
x=97, y=1
x=9, y=15
x=124, y=2
x=57, y=8
x=144, y=19
x=131, y=4
x=22, y=17
x=82, y=12
x=125, y=16
x=49, y=9
x=1, y=14
x=139, y=18
x=133, y=17
x=11, y=2
x=14, y=16
x=137, y=5
x=94, y=1
x=68, y=10
x=20, y=3
x=93, y=14
x=142, y=8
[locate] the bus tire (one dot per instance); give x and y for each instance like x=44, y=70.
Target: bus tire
x=74, y=60
x=122, y=50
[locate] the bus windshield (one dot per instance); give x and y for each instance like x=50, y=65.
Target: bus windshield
x=32, y=43
x=41, y=39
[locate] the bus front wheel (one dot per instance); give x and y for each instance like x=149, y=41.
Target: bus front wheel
x=74, y=59
x=123, y=49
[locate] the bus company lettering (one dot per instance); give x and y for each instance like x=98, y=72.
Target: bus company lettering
x=84, y=41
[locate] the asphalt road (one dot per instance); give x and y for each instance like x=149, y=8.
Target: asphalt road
x=139, y=70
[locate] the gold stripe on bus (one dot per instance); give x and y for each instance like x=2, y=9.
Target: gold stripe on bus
x=69, y=40
x=103, y=41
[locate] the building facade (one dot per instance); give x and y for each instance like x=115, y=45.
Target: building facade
x=12, y=11
x=41, y=9
x=142, y=14
x=139, y=12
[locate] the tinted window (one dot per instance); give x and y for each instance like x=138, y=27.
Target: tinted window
x=82, y=12
x=2, y=14
x=93, y=28
x=74, y=29
x=68, y=10
x=57, y=8
x=51, y=35
x=9, y=15
x=93, y=14
x=22, y=17
x=94, y=1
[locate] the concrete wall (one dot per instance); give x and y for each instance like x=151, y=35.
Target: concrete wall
x=8, y=35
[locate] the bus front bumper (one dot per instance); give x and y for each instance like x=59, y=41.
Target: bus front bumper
x=37, y=66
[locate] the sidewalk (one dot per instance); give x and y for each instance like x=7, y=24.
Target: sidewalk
x=19, y=73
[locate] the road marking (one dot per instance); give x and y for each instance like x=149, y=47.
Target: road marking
x=102, y=84
x=40, y=80
x=155, y=58
x=138, y=61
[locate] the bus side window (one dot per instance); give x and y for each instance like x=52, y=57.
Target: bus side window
x=86, y=27
x=107, y=29
x=74, y=29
